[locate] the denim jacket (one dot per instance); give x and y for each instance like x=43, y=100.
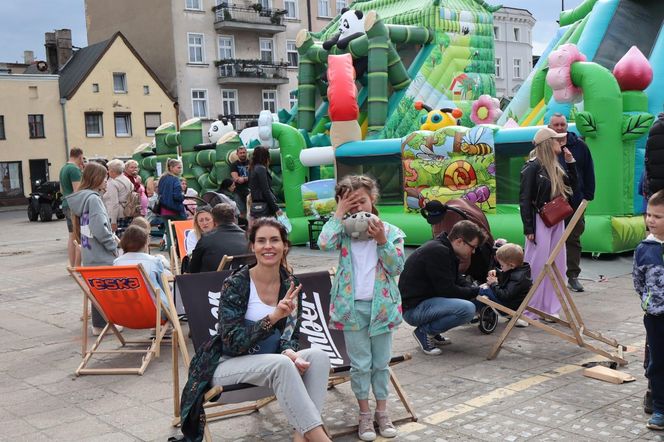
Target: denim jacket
x=386, y=305
x=648, y=275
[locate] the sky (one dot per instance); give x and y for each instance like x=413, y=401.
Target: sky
x=24, y=23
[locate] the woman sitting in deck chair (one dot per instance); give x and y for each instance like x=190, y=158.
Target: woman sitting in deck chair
x=259, y=321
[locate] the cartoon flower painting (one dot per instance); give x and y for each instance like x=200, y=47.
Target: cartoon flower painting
x=485, y=110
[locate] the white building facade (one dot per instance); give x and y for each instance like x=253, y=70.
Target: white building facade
x=513, y=40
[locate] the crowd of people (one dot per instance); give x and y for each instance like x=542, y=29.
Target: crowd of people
x=375, y=286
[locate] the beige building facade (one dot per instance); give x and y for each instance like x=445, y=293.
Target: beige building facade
x=32, y=143
x=216, y=57
x=116, y=103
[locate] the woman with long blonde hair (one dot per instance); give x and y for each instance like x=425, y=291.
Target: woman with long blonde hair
x=92, y=226
x=543, y=179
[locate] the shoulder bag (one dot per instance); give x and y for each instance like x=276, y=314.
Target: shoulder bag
x=555, y=211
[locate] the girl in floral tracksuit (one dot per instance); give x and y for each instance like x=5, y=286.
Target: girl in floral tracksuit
x=365, y=300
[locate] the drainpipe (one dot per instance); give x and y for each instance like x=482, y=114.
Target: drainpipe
x=63, y=102
x=309, y=27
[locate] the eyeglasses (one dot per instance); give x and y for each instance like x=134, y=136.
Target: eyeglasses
x=472, y=247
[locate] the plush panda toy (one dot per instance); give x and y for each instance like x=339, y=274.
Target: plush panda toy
x=218, y=129
x=357, y=224
x=351, y=26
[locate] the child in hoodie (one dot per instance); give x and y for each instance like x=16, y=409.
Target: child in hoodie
x=648, y=275
x=510, y=286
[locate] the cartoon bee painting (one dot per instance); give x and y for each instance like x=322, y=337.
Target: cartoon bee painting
x=472, y=143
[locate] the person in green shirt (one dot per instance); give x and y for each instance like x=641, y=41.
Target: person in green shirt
x=70, y=177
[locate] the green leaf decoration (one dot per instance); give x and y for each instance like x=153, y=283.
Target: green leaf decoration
x=586, y=124
x=636, y=125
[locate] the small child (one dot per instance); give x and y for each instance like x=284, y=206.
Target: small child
x=510, y=286
x=365, y=300
x=648, y=275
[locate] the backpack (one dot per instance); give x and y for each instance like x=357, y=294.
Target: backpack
x=132, y=207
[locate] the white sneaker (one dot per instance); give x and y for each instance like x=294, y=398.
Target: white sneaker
x=555, y=315
x=521, y=323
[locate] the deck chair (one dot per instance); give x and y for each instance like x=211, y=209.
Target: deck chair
x=573, y=319
x=178, y=230
x=200, y=295
x=229, y=262
x=124, y=296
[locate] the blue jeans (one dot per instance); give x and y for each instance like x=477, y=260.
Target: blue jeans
x=437, y=315
x=489, y=294
x=369, y=356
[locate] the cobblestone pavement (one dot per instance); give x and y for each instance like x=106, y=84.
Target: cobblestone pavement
x=533, y=390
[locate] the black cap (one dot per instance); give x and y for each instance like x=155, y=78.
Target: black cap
x=434, y=211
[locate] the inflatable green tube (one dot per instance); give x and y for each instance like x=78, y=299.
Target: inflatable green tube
x=291, y=143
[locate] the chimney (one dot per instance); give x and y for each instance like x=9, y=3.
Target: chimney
x=63, y=44
x=28, y=57
x=51, y=52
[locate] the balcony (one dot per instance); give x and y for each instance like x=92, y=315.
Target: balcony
x=250, y=72
x=229, y=17
x=241, y=122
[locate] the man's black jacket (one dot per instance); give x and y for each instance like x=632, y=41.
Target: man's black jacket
x=432, y=271
x=226, y=239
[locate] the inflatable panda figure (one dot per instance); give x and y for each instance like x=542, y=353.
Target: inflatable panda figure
x=218, y=129
x=351, y=26
x=357, y=224
x=265, y=121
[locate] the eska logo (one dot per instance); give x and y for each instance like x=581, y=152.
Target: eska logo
x=114, y=283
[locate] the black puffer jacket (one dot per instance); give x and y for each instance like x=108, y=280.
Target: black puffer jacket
x=513, y=286
x=536, y=190
x=655, y=157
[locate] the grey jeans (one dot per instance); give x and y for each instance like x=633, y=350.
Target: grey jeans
x=301, y=397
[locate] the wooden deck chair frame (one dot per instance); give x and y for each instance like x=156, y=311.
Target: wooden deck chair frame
x=228, y=259
x=338, y=375
x=178, y=250
x=154, y=344
x=573, y=319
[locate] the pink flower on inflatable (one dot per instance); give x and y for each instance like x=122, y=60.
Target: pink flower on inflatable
x=486, y=110
x=633, y=71
x=559, y=76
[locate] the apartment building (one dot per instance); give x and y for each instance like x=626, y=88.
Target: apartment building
x=512, y=32
x=218, y=57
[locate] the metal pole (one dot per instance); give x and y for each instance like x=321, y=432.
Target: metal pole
x=563, y=4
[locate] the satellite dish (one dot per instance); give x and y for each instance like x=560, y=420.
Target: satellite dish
x=42, y=66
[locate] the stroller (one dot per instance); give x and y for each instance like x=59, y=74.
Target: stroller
x=442, y=218
x=213, y=198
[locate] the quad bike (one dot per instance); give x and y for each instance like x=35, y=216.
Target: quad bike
x=44, y=201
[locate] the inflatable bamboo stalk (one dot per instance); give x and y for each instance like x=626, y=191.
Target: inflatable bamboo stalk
x=415, y=35
x=306, y=90
x=377, y=99
x=291, y=143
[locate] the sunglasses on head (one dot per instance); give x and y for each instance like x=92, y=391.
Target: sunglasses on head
x=205, y=208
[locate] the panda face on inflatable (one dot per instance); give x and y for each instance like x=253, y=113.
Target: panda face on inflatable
x=351, y=26
x=218, y=129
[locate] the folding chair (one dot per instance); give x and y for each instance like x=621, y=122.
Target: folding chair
x=178, y=230
x=200, y=295
x=235, y=262
x=573, y=319
x=124, y=296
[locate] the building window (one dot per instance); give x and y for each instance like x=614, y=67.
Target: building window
x=229, y=102
x=11, y=179
x=517, y=34
x=340, y=5
x=119, y=82
x=291, y=51
x=266, y=45
x=146, y=89
x=93, y=124
x=292, y=98
x=152, y=122
x=291, y=8
x=2, y=128
x=95, y=87
x=517, y=68
x=199, y=103
x=195, y=42
x=499, y=72
x=270, y=100
x=33, y=92
x=226, y=48
x=323, y=8
x=266, y=4
x=36, y=125
x=122, y=124
x=196, y=5
x=496, y=33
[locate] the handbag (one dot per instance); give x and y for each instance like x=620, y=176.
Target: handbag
x=259, y=209
x=555, y=211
